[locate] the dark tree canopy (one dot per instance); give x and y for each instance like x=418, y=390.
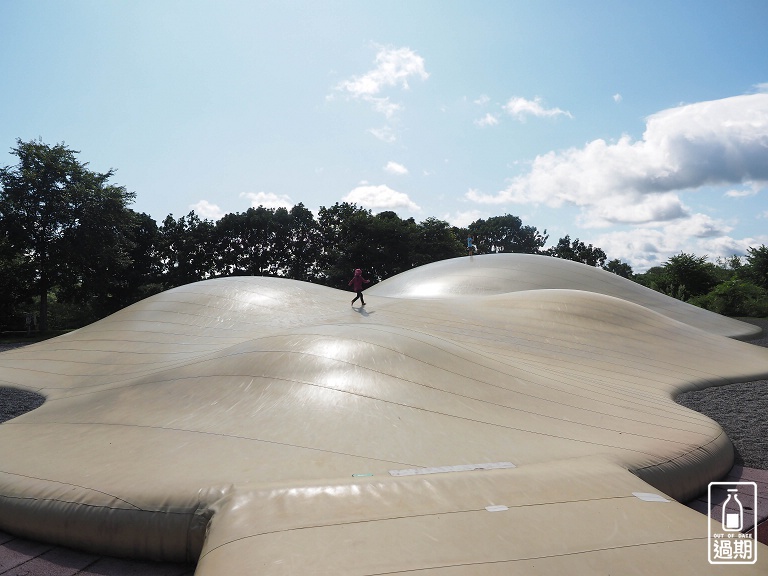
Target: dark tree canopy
x=577, y=251
x=435, y=240
x=689, y=275
x=757, y=266
x=506, y=234
x=346, y=232
x=619, y=268
x=66, y=234
x=66, y=223
x=186, y=249
x=305, y=245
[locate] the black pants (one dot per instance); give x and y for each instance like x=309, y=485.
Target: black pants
x=359, y=295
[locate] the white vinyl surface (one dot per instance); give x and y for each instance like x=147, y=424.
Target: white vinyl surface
x=483, y=415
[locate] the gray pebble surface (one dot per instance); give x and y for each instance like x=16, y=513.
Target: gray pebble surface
x=741, y=409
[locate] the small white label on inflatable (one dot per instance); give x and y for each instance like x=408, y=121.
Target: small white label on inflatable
x=649, y=497
x=497, y=508
x=457, y=468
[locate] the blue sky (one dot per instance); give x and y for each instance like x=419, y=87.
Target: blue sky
x=640, y=127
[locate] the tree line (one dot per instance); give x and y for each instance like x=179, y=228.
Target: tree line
x=73, y=251
x=733, y=286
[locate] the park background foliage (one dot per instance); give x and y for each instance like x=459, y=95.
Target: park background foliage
x=72, y=251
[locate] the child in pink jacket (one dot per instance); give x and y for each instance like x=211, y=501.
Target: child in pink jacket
x=357, y=285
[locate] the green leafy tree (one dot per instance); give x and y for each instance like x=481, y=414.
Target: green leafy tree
x=345, y=229
x=435, y=240
x=14, y=286
x=278, y=243
x=234, y=242
x=66, y=222
x=392, y=241
x=506, y=234
x=186, y=250
x=652, y=278
x=577, y=251
x=382, y=245
x=735, y=298
x=757, y=266
x=257, y=242
x=729, y=268
x=143, y=277
x=305, y=245
x=687, y=275
x=619, y=268
x=99, y=248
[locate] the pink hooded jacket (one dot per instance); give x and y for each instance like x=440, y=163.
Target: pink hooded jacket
x=358, y=281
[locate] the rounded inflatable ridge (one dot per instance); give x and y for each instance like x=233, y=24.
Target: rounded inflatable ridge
x=491, y=274
x=256, y=419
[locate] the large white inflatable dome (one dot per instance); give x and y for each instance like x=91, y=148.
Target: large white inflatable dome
x=483, y=415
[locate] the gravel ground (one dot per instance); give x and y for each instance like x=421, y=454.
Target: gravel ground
x=741, y=409
x=15, y=402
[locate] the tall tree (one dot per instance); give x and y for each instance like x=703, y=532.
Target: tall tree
x=346, y=230
x=64, y=220
x=255, y=242
x=683, y=276
x=186, y=249
x=689, y=275
x=757, y=265
x=506, y=234
x=577, y=251
x=619, y=268
x=305, y=245
x=391, y=242
x=14, y=286
x=435, y=241
x=143, y=277
x=98, y=246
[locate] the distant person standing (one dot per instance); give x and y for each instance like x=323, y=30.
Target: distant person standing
x=357, y=285
x=471, y=248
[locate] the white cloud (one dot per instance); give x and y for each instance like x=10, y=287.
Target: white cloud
x=752, y=190
x=464, y=219
x=267, y=199
x=644, y=209
x=617, y=98
x=725, y=246
x=207, y=210
x=395, y=168
x=641, y=248
x=385, y=106
x=385, y=134
x=647, y=246
x=698, y=226
x=482, y=100
x=487, y=120
x=521, y=108
x=394, y=66
x=380, y=197
x=684, y=148
x=740, y=193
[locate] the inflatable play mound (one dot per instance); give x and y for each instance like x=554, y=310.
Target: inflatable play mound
x=479, y=416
